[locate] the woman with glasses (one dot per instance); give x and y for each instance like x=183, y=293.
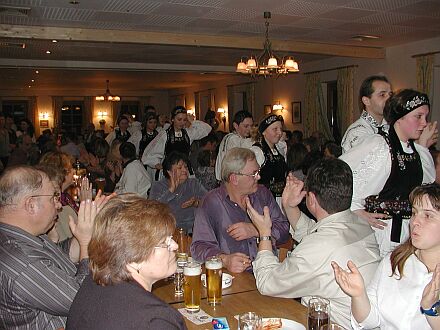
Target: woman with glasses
x=271, y=154
x=181, y=193
x=131, y=248
x=178, y=137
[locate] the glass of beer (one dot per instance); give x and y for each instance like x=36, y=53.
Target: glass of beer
x=214, y=280
x=318, y=313
x=192, y=286
x=182, y=242
x=100, y=184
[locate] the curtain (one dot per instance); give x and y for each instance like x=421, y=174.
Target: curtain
x=344, y=113
x=315, y=110
x=115, y=110
x=425, y=65
x=250, y=98
x=143, y=102
x=33, y=111
x=57, y=103
x=89, y=107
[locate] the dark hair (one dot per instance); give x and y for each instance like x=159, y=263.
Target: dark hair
x=177, y=110
x=331, y=180
x=240, y=116
x=150, y=115
x=122, y=117
x=334, y=149
x=30, y=130
x=313, y=143
x=310, y=159
x=297, y=136
x=150, y=108
x=401, y=253
x=100, y=148
x=366, y=88
x=127, y=150
x=211, y=137
x=395, y=106
x=172, y=159
x=204, y=158
x=295, y=156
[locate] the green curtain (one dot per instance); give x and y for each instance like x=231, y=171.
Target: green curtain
x=425, y=65
x=315, y=109
x=344, y=113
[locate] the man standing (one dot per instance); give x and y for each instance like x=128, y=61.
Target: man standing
x=374, y=92
x=38, y=279
x=222, y=226
x=338, y=236
x=242, y=124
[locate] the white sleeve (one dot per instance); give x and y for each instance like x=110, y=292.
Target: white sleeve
x=371, y=166
x=354, y=136
x=198, y=130
x=135, y=138
x=155, y=151
x=259, y=155
x=282, y=148
x=134, y=127
x=427, y=164
x=110, y=137
x=230, y=141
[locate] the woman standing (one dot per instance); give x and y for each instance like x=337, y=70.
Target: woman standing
x=387, y=167
x=178, y=137
x=131, y=249
x=26, y=127
x=148, y=133
x=403, y=294
x=270, y=152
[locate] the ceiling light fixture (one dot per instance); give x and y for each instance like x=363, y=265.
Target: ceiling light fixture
x=362, y=37
x=48, y=51
x=267, y=63
x=107, y=95
x=54, y=41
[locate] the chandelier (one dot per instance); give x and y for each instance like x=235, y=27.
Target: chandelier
x=267, y=63
x=108, y=96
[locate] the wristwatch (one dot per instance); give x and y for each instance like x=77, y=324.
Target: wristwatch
x=265, y=238
x=433, y=311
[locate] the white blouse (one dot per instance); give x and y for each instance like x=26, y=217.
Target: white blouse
x=395, y=304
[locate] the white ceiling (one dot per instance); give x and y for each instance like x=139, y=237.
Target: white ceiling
x=81, y=29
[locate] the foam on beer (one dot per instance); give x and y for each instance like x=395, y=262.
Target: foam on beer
x=192, y=269
x=213, y=264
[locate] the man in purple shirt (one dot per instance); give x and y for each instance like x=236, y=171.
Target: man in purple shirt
x=222, y=226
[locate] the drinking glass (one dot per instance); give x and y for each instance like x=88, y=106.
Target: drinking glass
x=249, y=321
x=182, y=242
x=214, y=280
x=318, y=313
x=331, y=326
x=192, y=286
x=100, y=184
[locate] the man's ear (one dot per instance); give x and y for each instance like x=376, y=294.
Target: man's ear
x=233, y=179
x=366, y=100
x=235, y=126
x=30, y=205
x=311, y=200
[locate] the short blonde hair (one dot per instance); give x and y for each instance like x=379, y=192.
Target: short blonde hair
x=126, y=230
x=234, y=161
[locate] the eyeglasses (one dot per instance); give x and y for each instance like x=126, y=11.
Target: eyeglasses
x=257, y=173
x=56, y=196
x=168, y=244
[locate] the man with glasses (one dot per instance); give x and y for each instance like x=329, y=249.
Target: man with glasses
x=222, y=226
x=38, y=279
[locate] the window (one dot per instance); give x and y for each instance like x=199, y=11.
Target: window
x=332, y=108
x=18, y=109
x=71, y=116
x=131, y=107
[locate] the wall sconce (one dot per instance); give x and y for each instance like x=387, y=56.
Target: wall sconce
x=191, y=112
x=277, y=106
x=222, y=113
x=102, y=114
x=44, y=115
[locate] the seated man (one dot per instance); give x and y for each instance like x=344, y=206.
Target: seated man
x=222, y=226
x=38, y=280
x=338, y=235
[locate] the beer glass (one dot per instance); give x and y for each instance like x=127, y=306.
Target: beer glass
x=318, y=313
x=214, y=280
x=100, y=184
x=182, y=242
x=192, y=286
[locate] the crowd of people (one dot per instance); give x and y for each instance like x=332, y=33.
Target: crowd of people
x=364, y=215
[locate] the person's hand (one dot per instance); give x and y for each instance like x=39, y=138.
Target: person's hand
x=242, y=230
x=85, y=192
x=82, y=228
x=193, y=201
x=158, y=166
x=236, y=262
x=262, y=222
x=173, y=180
x=293, y=192
x=374, y=219
x=350, y=282
x=429, y=135
x=431, y=291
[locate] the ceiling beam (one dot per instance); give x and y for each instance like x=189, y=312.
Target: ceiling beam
x=197, y=40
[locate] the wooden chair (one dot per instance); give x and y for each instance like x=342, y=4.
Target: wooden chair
x=284, y=248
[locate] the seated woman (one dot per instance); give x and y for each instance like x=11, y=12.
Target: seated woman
x=403, y=294
x=131, y=248
x=182, y=194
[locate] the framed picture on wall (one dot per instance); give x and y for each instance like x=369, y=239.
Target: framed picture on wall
x=44, y=123
x=267, y=109
x=296, y=112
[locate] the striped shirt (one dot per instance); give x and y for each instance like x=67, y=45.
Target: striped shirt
x=38, y=280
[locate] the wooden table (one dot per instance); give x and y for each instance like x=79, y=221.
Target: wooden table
x=243, y=282
x=241, y=297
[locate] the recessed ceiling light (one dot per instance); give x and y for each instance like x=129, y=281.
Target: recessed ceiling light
x=54, y=40
x=48, y=51
x=29, y=86
x=32, y=80
x=37, y=72
x=362, y=37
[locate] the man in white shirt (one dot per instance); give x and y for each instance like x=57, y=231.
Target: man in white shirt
x=135, y=178
x=239, y=138
x=337, y=236
x=374, y=92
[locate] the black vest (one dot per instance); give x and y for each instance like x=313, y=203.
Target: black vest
x=145, y=140
x=120, y=137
